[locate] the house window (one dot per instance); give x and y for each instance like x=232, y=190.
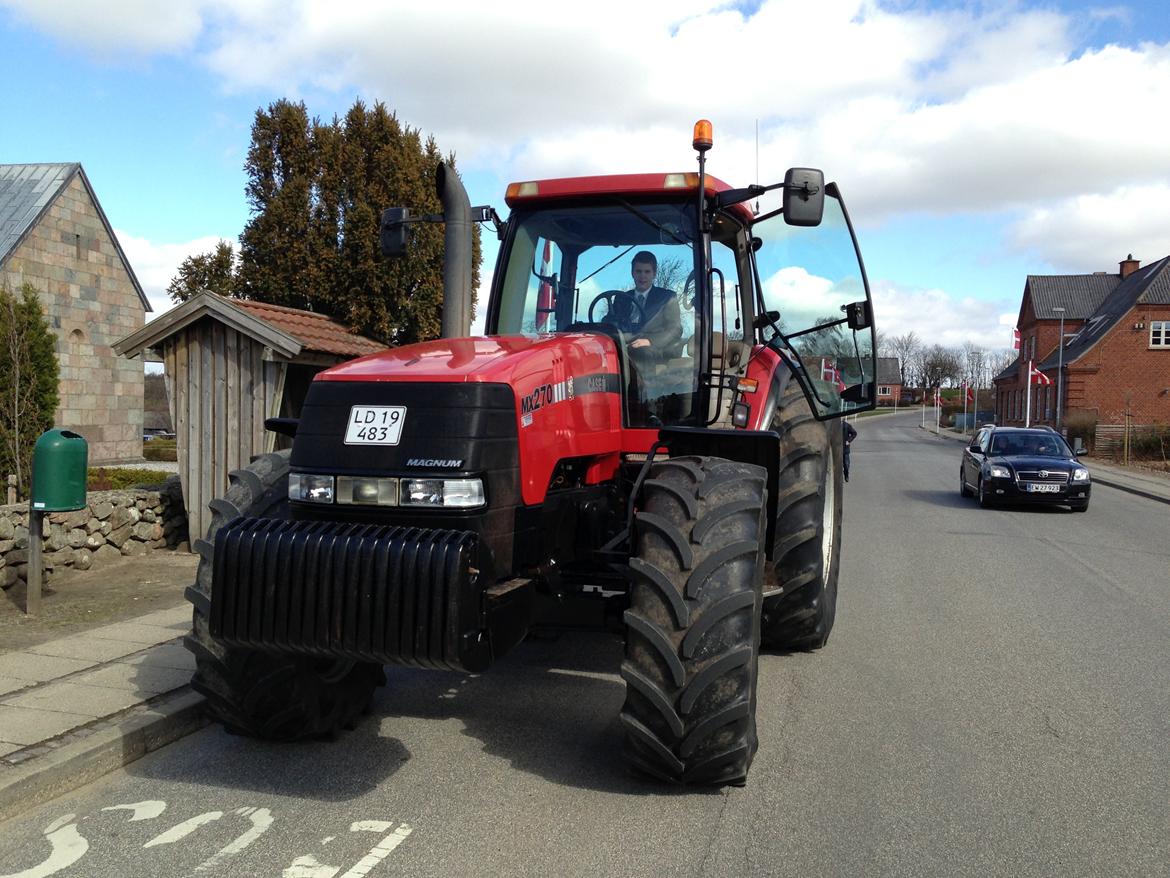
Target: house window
x=1160, y=333
x=883, y=391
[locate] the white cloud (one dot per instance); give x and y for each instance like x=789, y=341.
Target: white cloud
x=939, y=317
x=1094, y=232
x=142, y=26
x=156, y=264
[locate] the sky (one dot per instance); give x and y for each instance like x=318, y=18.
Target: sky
x=974, y=143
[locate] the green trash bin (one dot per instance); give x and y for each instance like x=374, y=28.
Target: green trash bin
x=60, y=464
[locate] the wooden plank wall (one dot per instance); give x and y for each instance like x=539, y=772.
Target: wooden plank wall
x=222, y=390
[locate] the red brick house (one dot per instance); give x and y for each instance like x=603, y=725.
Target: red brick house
x=1116, y=354
x=889, y=381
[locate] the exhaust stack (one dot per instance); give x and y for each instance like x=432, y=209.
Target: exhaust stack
x=456, y=321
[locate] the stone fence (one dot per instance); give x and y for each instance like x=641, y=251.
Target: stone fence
x=112, y=524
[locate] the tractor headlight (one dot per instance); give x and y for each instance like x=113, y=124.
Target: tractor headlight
x=450, y=493
x=1000, y=472
x=367, y=491
x=1080, y=474
x=310, y=488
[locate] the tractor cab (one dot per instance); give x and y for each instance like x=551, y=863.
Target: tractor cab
x=726, y=283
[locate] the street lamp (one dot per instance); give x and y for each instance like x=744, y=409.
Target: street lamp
x=1059, y=366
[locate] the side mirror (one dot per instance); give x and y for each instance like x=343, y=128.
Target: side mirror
x=392, y=233
x=804, y=196
x=975, y=449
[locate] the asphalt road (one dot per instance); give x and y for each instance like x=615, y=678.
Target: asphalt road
x=995, y=700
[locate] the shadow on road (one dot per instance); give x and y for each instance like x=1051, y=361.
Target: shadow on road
x=550, y=708
x=948, y=497
x=325, y=771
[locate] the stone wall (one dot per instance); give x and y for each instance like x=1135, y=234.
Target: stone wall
x=112, y=525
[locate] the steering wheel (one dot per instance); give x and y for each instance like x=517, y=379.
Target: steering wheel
x=610, y=297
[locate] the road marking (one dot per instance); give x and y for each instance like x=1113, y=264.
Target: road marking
x=379, y=852
x=67, y=847
x=261, y=819
x=147, y=810
x=182, y=830
x=308, y=867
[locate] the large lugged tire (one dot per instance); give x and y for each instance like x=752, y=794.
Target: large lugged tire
x=259, y=694
x=808, y=529
x=692, y=630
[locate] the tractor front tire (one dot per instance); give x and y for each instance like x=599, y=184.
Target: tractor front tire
x=692, y=629
x=259, y=694
x=808, y=529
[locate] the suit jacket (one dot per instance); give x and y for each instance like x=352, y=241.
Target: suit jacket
x=662, y=325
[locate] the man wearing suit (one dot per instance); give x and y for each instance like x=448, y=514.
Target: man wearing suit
x=657, y=329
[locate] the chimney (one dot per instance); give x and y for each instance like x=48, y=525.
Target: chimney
x=1129, y=265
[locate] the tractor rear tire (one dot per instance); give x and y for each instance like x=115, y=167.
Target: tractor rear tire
x=692, y=629
x=259, y=694
x=808, y=529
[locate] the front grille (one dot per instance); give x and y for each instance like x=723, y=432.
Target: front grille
x=1050, y=476
x=365, y=592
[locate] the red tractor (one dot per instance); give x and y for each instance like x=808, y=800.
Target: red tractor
x=642, y=439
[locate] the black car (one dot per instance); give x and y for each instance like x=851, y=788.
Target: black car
x=1023, y=465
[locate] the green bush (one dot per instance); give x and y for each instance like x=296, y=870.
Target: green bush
x=1081, y=425
x=105, y=478
x=1152, y=443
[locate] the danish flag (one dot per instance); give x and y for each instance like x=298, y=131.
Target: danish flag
x=829, y=372
x=544, y=294
x=1016, y=339
x=938, y=400
x=1037, y=376
x=970, y=393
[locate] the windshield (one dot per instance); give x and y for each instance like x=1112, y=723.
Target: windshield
x=1030, y=445
x=626, y=269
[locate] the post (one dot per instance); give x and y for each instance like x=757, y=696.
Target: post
x=1059, y=367
x=11, y=489
x=32, y=595
x=1028, y=396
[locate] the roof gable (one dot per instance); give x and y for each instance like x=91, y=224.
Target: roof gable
x=888, y=371
x=26, y=194
x=1079, y=294
x=288, y=331
x=1149, y=285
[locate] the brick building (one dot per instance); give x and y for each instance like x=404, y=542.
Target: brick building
x=1116, y=354
x=889, y=381
x=55, y=236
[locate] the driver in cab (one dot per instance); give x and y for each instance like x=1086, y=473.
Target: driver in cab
x=647, y=312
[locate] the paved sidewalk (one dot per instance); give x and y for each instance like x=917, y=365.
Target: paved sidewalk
x=74, y=708
x=1144, y=483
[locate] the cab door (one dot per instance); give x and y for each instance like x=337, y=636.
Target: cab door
x=816, y=308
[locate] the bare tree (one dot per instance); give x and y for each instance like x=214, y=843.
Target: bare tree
x=904, y=347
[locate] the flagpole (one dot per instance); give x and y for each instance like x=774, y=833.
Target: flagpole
x=937, y=410
x=965, y=406
x=1028, y=401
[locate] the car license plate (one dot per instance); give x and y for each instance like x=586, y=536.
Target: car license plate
x=375, y=424
x=1043, y=489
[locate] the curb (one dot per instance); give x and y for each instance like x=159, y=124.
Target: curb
x=81, y=762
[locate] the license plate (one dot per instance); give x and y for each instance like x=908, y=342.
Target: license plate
x=375, y=424
x=1044, y=489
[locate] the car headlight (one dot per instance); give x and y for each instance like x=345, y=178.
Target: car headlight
x=1000, y=472
x=1080, y=474
x=450, y=493
x=310, y=488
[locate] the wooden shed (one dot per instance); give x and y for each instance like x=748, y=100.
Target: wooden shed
x=231, y=363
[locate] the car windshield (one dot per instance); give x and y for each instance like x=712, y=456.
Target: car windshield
x=1030, y=444
x=574, y=268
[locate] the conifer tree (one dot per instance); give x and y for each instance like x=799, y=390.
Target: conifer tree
x=205, y=271
x=28, y=380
